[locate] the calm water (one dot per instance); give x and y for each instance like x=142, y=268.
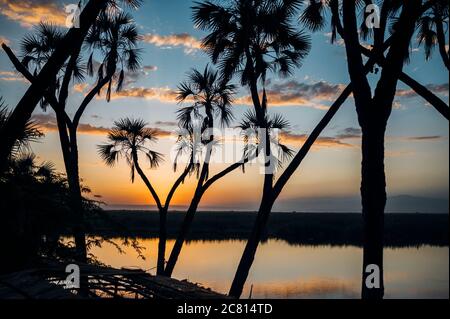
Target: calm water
x=288, y=271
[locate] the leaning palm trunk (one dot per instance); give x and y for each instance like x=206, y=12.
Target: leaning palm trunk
x=183, y=232
x=190, y=213
x=249, y=253
x=22, y=113
x=262, y=218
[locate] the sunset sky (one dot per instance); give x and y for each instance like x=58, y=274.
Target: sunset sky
x=417, y=143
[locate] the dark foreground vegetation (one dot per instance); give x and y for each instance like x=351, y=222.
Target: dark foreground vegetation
x=295, y=228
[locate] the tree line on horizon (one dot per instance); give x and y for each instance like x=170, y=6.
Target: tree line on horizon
x=246, y=41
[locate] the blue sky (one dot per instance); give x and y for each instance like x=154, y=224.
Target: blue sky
x=417, y=136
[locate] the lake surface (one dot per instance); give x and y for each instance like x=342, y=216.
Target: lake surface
x=282, y=270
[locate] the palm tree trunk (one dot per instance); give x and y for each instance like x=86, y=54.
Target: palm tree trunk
x=22, y=113
x=373, y=177
x=189, y=217
x=249, y=253
x=77, y=201
x=183, y=233
x=373, y=195
x=162, y=242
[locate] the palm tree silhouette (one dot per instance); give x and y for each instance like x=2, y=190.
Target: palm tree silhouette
x=432, y=31
x=128, y=138
x=209, y=98
x=252, y=38
x=29, y=134
x=374, y=110
x=115, y=37
x=69, y=46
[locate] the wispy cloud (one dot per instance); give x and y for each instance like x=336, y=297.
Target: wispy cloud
x=436, y=88
x=131, y=77
x=349, y=133
x=185, y=40
x=162, y=94
x=324, y=141
x=425, y=138
x=11, y=76
x=29, y=13
x=47, y=123
x=290, y=93
x=166, y=123
x=294, y=93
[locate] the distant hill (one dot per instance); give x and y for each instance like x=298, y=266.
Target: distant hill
x=409, y=204
x=395, y=204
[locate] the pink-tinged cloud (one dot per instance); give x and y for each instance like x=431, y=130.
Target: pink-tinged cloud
x=324, y=141
x=10, y=76
x=294, y=93
x=162, y=94
x=47, y=123
x=290, y=93
x=441, y=89
x=29, y=13
x=185, y=40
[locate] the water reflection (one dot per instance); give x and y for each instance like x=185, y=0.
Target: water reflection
x=288, y=271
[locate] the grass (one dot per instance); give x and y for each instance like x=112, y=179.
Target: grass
x=295, y=228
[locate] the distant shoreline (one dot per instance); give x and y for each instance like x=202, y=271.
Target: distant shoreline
x=401, y=229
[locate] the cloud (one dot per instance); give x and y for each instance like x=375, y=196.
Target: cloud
x=185, y=40
x=29, y=13
x=436, y=88
x=132, y=77
x=162, y=94
x=325, y=141
x=294, y=93
x=11, y=76
x=150, y=68
x=349, y=133
x=47, y=123
x=80, y=87
x=4, y=40
x=425, y=138
x=291, y=93
x=166, y=123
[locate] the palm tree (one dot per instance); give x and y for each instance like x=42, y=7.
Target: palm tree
x=129, y=138
x=432, y=31
x=374, y=109
x=115, y=37
x=209, y=97
x=69, y=46
x=252, y=38
x=29, y=134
